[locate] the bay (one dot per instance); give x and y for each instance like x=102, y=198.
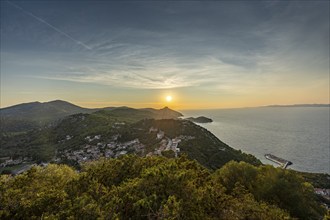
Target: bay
x=298, y=134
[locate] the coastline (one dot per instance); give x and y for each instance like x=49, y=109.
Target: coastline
x=299, y=135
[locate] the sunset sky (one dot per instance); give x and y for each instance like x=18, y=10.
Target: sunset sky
x=208, y=54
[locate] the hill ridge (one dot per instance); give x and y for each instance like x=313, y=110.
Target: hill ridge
x=27, y=116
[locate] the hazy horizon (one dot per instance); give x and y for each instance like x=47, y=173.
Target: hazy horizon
x=205, y=55
x=271, y=105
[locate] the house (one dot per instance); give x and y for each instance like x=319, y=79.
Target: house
x=152, y=129
x=160, y=134
x=322, y=192
x=109, y=153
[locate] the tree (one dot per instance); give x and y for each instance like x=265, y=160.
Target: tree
x=132, y=187
x=283, y=188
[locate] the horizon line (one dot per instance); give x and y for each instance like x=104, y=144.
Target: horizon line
x=212, y=108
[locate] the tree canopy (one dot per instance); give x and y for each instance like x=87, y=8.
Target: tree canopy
x=132, y=187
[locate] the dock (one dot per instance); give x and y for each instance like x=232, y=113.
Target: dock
x=282, y=162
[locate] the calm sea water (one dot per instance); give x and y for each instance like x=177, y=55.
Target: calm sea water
x=298, y=134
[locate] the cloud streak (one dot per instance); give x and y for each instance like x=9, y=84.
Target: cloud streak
x=50, y=25
x=188, y=46
x=159, y=72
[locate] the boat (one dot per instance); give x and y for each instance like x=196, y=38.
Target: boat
x=282, y=162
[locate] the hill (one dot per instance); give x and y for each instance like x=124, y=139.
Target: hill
x=127, y=114
x=110, y=133
x=164, y=113
x=32, y=115
x=28, y=116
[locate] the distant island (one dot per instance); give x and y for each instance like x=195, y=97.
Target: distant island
x=300, y=105
x=200, y=119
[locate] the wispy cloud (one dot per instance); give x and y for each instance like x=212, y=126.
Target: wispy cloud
x=197, y=45
x=50, y=25
x=133, y=67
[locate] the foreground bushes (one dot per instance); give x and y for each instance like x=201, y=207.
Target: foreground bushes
x=156, y=188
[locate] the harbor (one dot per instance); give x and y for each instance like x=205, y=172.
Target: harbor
x=282, y=162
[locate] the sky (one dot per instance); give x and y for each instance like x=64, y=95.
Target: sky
x=205, y=54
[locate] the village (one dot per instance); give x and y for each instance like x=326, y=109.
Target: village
x=114, y=148
x=96, y=146
x=92, y=152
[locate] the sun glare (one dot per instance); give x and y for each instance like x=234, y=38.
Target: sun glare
x=168, y=98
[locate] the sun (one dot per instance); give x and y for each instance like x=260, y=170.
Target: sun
x=168, y=98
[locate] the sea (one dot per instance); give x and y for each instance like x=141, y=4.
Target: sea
x=298, y=134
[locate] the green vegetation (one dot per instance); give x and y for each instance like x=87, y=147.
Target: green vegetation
x=280, y=187
x=42, y=144
x=9, y=169
x=36, y=115
x=211, y=180
x=203, y=146
x=132, y=187
x=27, y=116
x=319, y=180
